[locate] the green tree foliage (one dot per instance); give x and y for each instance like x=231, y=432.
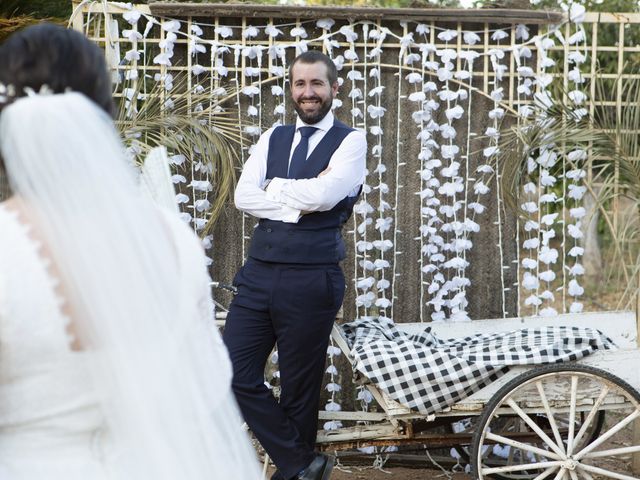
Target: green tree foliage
x=35, y=8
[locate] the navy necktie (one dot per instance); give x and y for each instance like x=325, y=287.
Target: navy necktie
x=299, y=156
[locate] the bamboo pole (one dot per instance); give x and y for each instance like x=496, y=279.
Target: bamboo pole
x=635, y=457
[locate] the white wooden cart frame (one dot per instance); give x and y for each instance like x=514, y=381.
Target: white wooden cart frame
x=552, y=451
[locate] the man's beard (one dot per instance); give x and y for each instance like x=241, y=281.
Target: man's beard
x=312, y=119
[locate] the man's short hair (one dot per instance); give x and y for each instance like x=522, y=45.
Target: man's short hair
x=315, y=56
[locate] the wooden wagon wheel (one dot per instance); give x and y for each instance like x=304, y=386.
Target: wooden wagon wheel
x=516, y=424
x=551, y=440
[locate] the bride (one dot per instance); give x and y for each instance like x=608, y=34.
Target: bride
x=110, y=368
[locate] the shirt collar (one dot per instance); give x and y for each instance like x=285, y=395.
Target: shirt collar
x=325, y=124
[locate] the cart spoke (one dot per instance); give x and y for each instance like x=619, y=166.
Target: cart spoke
x=585, y=474
x=535, y=427
x=560, y=475
x=606, y=473
x=523, y=446
x=523, y=467
x=573, y=475
x=608, y=434
x=572, y=414
x=546, y=473
x=550, y=417
x=591, y=416
x=613, y=452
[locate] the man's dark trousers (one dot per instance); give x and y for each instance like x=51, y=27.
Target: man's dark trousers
x=293, y=305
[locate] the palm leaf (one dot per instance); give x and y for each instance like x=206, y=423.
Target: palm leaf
x=209, y=135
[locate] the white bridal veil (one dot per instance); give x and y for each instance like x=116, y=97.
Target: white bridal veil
x=138, y=302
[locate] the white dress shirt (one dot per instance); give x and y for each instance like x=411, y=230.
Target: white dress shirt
x=286, y=199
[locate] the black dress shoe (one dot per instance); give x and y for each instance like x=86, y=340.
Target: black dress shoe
x=319, y=469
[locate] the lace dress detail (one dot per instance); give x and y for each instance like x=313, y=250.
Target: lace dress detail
x=49, y=418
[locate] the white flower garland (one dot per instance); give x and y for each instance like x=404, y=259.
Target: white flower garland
x=433, y=73
x=491, y=153
x=576, y=161
x=539, y=198
x=383, y=222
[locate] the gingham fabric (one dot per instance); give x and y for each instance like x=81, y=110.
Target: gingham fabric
x=427, y=374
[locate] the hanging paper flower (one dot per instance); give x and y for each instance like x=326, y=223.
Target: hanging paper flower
x=422, y=29
x=272, y=31
x=132, y=16
x=470, y=38
x=348, y=33
x=198, y=69
x=325, y=23
x=223, y=31
x=298, y=32
x=447, y=35
x=132, y=35
x=171, y=26
x=251, y=90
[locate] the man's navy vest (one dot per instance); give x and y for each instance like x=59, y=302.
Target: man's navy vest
x=317, y=237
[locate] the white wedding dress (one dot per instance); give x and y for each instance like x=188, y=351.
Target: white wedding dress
x=110, y=364
x=51, y=423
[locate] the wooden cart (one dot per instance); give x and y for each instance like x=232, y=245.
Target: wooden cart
x=564, y=421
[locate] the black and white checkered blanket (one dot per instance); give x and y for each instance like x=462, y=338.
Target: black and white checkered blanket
x=428, y=374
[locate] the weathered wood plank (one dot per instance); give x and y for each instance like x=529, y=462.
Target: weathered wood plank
x=359, y=432
x=493, y=15
x=352, y=416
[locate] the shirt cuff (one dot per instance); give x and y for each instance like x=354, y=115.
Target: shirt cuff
x=290, y=214
x=274, y=189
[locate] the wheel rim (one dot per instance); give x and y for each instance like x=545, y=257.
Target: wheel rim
x=551, y=417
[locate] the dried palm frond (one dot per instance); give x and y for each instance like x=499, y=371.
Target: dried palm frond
x=15, y=23
x=552, y=124
x=206, y=134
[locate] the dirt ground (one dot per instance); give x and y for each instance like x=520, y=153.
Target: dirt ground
x=395, y=473
x=364, y=472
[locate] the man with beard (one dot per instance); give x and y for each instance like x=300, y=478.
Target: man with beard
x=301, y=181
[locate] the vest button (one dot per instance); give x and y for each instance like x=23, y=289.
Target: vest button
x=269, y=230
x=267, y=247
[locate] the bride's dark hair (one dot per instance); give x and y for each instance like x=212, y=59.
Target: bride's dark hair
x=61, y=59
